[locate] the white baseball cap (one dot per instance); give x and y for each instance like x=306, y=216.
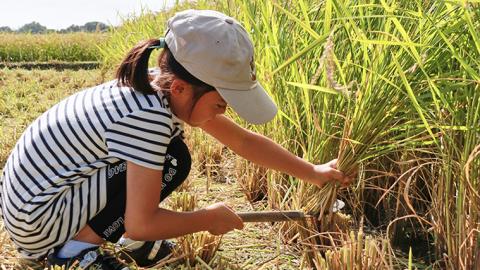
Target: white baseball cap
x=216, y=49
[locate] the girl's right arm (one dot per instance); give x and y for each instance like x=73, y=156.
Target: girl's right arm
x=144, y=220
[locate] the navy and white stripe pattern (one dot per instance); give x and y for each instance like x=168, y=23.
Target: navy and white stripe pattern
x=54, y=179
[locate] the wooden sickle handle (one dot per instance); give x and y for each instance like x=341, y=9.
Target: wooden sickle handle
x=271, y=216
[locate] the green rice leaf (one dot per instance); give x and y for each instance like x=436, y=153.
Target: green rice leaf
x=315, y=88
x=412, y=97
x=300, y=54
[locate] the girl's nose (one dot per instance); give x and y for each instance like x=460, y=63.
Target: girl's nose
x=222, y=110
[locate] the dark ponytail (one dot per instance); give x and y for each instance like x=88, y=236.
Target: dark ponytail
x=133, y=71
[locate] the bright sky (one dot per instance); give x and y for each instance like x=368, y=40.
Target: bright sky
x=59, y=14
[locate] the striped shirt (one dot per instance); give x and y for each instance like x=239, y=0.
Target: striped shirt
x=54, y=180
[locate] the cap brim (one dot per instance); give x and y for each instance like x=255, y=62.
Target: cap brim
x=253, y=105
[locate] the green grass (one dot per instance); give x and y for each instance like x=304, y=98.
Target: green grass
x=50, y=47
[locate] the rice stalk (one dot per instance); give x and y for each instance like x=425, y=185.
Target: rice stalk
x=207, y=156
x=252, y=180
x=202, y=244
x=352, y=250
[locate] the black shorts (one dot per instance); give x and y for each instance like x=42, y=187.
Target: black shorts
x=109, y=222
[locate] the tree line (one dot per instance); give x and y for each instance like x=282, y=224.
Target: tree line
x=37, y=28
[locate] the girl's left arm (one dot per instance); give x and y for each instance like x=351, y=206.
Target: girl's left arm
x=265, y=152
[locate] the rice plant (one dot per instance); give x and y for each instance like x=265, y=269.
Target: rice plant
x=193, y=248
x=252, y=179
x=357, y=251
x=391, y=88
x=206, y=157
x=51, y=47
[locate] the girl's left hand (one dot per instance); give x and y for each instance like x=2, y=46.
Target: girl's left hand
x=328, y=172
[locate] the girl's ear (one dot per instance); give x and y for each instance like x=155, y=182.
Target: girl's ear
x=177, y=87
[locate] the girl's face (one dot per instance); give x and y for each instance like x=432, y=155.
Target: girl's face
x=206, y=108
x=196, y=113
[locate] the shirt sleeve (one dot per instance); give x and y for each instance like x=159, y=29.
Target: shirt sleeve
x=141, y=137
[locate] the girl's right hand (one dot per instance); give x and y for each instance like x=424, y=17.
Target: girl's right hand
x=223, y=219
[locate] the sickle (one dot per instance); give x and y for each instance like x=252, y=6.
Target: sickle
x=276, y=216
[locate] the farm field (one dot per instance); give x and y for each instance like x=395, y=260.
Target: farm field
x=50, y=47
x=391, y=88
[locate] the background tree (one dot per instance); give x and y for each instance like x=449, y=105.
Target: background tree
x=95, y=27
x=33, y=27
x=5, y=29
